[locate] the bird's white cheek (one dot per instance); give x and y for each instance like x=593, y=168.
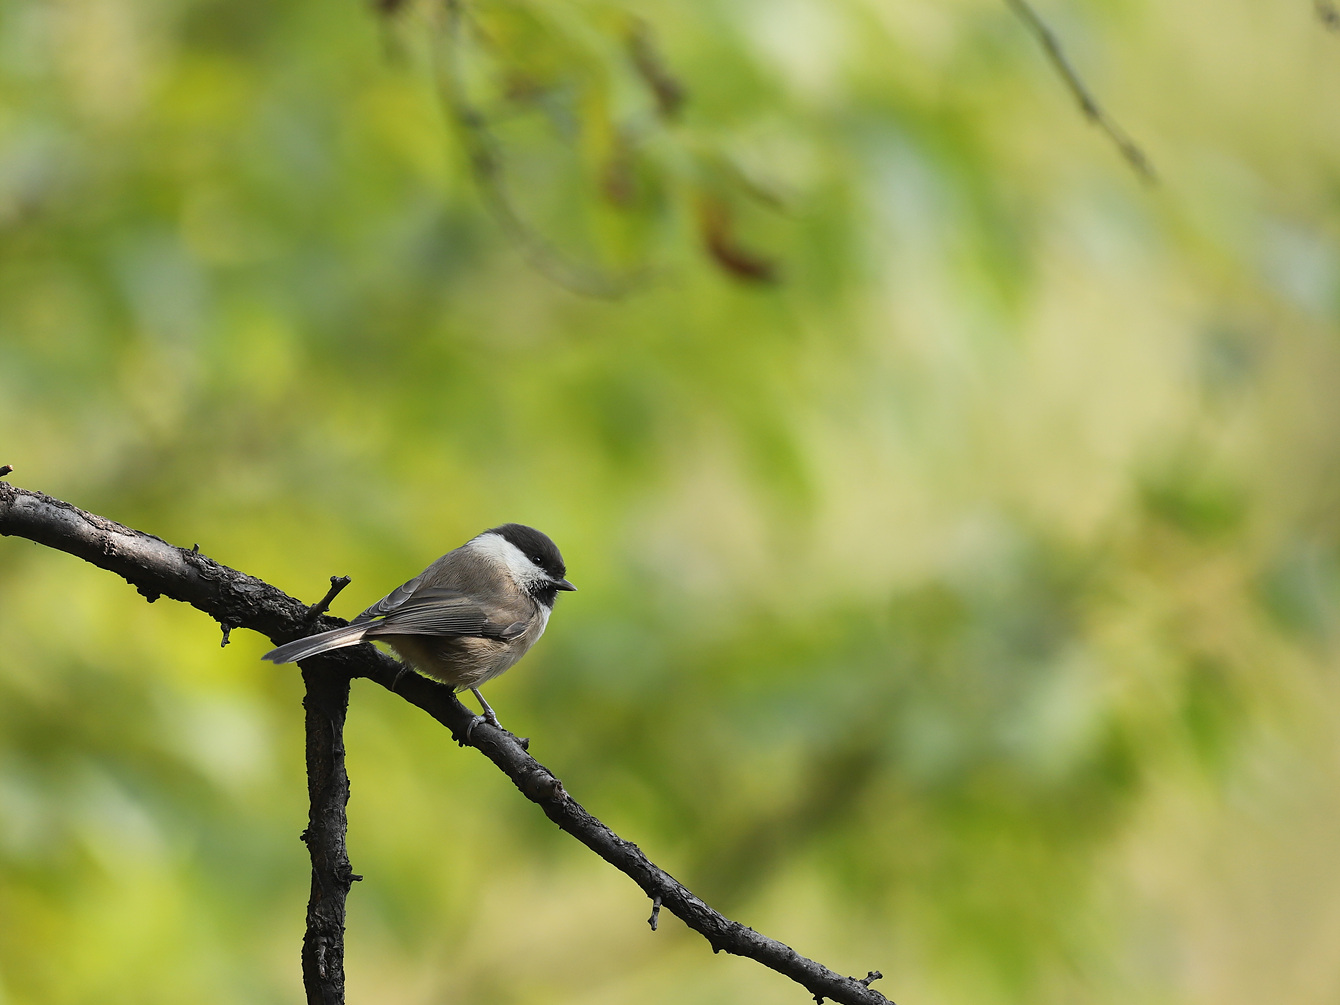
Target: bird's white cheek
x=509, y=556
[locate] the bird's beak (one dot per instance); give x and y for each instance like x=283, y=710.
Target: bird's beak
x=563, y=584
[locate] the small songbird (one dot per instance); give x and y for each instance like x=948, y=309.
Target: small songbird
x=467, y=617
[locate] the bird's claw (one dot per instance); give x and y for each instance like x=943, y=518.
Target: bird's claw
x=475, y=722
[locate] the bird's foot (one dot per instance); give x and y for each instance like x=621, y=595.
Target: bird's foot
x=489, y=715
x=469, y=730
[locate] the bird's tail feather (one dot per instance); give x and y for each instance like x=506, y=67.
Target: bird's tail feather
x=300, y=649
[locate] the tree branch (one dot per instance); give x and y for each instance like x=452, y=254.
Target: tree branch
x=156, y=568
x=1088, y=104
x=337, y=583
x=325, y=704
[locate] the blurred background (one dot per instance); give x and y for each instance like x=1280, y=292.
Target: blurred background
x=954, y=513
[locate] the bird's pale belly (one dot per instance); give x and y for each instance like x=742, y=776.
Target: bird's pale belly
x=461, y=662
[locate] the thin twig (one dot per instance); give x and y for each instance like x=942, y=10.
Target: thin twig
x=156, y=568
x=337, y=583
x=1051, y=45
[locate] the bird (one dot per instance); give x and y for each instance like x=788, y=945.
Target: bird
x=466, y=618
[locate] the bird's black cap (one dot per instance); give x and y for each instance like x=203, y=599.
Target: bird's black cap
x=538, y=548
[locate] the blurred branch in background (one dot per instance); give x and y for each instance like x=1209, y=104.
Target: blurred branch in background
x=576, y=84
x=668, y=90
x=723, y=244
x=1328, y=14
x=488, y=165
x=580, y=92
x=1087, y=103
x=156, y=568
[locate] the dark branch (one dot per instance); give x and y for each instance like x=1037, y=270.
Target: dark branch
x=337, y=583
x=325, y=704
x=1328, y=14
x=156, y=568
x=655, y=918
x=1085, y=99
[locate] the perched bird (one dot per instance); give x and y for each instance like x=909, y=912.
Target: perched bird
x=467, y=617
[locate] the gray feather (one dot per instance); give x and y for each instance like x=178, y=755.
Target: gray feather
x=394, y=599
x=300, y=649
x=415, y=609
x=460, y=616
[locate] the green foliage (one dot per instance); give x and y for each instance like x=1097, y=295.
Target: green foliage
x=954, y=516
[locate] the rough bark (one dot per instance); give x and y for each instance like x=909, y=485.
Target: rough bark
x=325, y=704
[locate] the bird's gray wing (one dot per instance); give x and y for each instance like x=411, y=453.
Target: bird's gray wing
x=392, y=600
x=440, y=611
